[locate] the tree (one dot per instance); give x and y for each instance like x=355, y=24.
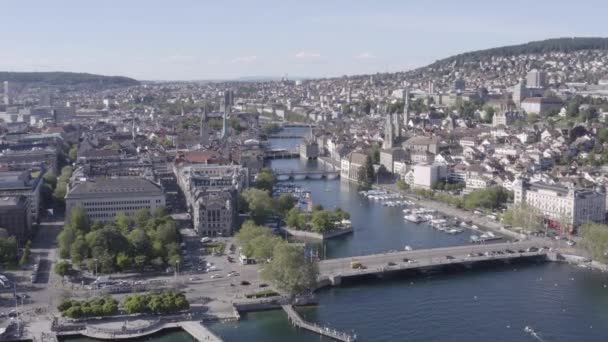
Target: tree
x=524, y=216
x=259, y=203
x=123, y=261
x=79, y=219
x=366, y=174
x=402, y=185
x=322, y=221
x=285, y=203
x=141, y=217
x=123, y=222
x=51, y=179
x=294, y=218
x=265, y=180
x=375, y=155
x=73, y=153
x=79, y=250
x=290, y=271
x=595, y=240
x=65, y=239
x=248, y=233
x=62, y=268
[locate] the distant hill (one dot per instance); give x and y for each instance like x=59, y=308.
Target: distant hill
x=563, y=59
x=67, y=79
x=565, y=45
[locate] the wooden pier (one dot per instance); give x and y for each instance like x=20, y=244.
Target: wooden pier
x=296, y=320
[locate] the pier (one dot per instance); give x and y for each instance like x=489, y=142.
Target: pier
x=298, y=321
x=285, y=175
x=332, y=271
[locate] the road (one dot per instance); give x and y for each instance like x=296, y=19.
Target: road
x=376, y=261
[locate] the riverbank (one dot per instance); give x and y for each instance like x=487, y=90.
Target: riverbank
x=480, y=221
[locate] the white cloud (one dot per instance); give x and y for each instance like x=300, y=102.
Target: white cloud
x=244, y=59
x=307, y=55
x=365, y=55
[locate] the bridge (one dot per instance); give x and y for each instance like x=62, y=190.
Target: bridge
x=281, y=154
x=286, y=136
x=298, y=321
x=285, y=175
x=332, y=271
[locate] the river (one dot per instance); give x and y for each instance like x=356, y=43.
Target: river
x=561, y=302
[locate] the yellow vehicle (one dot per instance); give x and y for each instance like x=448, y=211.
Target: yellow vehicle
x=356, y=264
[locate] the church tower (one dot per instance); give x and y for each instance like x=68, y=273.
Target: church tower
x=389, y=134
x=406, y=107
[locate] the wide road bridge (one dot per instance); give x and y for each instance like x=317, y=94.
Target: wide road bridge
x=332, y=271
x=284, y=175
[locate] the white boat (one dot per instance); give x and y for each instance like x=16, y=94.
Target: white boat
x=454, y=231
x=408, y=248
x=413, y=218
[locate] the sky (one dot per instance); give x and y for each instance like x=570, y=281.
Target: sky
x=228, y=39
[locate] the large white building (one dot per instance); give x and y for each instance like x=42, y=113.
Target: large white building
x=103, y=198
x=558, y=203
x=425, y=175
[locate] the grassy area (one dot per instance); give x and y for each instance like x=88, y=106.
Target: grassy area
x=263, y=294
x=217, y=246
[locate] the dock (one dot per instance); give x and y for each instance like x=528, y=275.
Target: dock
x=296, y=320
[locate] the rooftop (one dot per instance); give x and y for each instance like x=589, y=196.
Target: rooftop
x=105, y=187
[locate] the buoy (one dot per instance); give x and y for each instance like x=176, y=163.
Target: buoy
x=475, y=297
x=508, y=327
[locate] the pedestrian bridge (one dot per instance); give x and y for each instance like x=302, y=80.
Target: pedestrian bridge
x=281, y=154
x=332, y=271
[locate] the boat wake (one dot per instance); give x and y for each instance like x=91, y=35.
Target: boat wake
x=534, y=334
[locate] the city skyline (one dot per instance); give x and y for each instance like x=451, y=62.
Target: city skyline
x=196, y=41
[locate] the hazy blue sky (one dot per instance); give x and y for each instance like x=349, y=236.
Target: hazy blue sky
x=181, y=39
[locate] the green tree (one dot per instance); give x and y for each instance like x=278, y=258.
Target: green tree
x=265, y=180
x=285, y=203
x=322, y=221
x=295, y=219
x=73, y=153
x=524, y=216
x=366, y=174
x=247, y=234
x=595, y=240
x=62, y=268
x=402, y=185
x=290, y=271
x=123, y=222
x=259, y=203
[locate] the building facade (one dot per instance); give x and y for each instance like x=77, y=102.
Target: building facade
x=562, y=204
x=102, y=199
x=15, y=217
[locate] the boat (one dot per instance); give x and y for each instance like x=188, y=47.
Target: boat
x=413, y=218
x=408, y=248
x=454, y=231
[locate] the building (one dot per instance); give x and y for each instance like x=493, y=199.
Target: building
x=422, y=144
x=309, y=149
x=214, y=212
x=536, y=79
x=541, y=105
x=15, y=217
x=425, y=175
x=103, y=198
x=7, y=99
x=25, y=183
x=211, y=192
x=562, y=204
x=506, y=118
x=350, y=165
x=388, y=157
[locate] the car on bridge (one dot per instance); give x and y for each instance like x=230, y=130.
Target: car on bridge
x=449, y=257
x=356, y=265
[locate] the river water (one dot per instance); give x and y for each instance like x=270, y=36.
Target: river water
x=560, y=302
